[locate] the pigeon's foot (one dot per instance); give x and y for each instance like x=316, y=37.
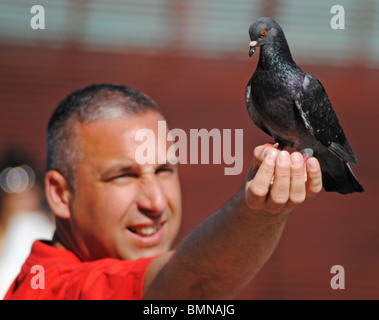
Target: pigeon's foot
x=307, y=153
x=274, y=145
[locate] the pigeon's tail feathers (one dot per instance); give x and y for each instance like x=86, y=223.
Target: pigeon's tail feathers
x=343, y=151
x=337, y=175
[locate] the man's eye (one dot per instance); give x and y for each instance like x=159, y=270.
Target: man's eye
x=124, y=175
x=165, y=170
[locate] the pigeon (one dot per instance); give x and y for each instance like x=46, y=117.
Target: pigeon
x=293, y=107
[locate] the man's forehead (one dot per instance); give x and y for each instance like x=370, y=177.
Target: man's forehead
x=148, y=119
x=114, y=133
x=112, y=145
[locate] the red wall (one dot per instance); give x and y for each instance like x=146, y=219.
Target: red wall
x=200, y=93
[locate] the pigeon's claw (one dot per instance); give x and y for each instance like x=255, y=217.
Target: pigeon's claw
x=307, y=153
x=274, y=145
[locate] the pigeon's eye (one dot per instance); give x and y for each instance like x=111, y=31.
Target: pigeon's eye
x=264, y=32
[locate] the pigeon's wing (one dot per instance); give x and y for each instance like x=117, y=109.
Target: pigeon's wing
x=252, y=111
x=320, y=119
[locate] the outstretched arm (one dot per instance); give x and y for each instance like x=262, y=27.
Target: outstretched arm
x=225, y=251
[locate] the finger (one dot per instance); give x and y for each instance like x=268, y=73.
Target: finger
x=297, y=187
x=314, y=181
x=258, y=188
x=279, y=193
x=260, y=153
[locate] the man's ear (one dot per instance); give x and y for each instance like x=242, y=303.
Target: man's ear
x=58, y=194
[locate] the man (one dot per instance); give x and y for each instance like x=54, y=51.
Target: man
x=116, y=219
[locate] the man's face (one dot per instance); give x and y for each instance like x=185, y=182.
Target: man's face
x=122, y=209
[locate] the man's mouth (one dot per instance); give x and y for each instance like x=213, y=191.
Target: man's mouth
x=147, y=230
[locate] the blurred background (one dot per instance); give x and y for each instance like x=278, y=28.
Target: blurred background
x=191, y=57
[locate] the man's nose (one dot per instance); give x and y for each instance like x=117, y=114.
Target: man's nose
x=152, y=200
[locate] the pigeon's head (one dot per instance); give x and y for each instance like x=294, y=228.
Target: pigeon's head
x=262, y=32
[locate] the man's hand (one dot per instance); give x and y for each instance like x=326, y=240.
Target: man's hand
x=278, y=181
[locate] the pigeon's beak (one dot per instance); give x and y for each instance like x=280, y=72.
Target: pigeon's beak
x=253, y=45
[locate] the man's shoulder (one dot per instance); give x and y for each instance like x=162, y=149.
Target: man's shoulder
x=54, y=273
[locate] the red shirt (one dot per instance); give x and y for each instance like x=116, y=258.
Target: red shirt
x=52, y=273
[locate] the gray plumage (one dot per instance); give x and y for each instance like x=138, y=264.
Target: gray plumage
x=292, y=106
